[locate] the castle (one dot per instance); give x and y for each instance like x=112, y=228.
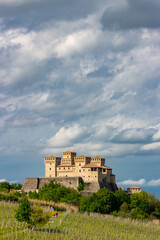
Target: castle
x=89, y=169
x=70, y=170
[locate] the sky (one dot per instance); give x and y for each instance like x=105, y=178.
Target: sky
x=82, y=76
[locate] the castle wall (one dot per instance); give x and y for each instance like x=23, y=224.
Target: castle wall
x=33, y=184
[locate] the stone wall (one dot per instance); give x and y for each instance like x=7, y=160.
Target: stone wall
x=32, y=184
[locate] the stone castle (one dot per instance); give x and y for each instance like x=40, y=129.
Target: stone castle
x=70, y=170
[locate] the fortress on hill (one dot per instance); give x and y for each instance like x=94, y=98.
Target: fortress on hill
x=70, y=170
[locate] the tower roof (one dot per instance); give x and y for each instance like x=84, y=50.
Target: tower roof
x=69, y=152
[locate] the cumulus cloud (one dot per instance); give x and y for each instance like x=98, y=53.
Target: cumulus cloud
x=154, y=182
x=156, y=136
x=66, y=136
x=151, y=146
x=139, y=182
x=133, y=135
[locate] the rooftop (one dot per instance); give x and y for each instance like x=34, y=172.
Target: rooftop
x=98, y=157
x=92, y=165
x=134, y=187
x=82, y=156
x=53, y=156
x=69, y=152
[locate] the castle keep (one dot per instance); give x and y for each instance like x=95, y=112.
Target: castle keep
x=71, y=169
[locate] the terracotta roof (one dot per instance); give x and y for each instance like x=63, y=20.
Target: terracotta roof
x=134, y=187
x=98, y=157
x=81, y=156
x=105, y=167
x=69, y=152
x=52, y=156
x=91, y=165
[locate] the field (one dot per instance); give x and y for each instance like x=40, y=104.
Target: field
x=76, y=226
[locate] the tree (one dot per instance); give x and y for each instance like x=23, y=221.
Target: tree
x=38, y=216
x=107, y=200
x=23, y=212
x=121, y=197
x=5, y=186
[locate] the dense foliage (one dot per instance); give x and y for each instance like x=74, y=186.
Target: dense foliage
x=34, y=215
x=54, y=192
x=137, y=206
x=7, y=186
x=23, y=212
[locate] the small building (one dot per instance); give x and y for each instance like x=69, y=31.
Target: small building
x=133, y=189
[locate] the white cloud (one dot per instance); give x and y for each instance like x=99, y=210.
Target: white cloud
x=66, y=136
x=154, y=182
x=139, y=182
x=151, y=146
x=2, y=180
x=156, y=136
x=77, y=43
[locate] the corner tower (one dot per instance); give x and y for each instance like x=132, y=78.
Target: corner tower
x=51, y=163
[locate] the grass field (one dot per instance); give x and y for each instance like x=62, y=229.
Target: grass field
x=76, y=226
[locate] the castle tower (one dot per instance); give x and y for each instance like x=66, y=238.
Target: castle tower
x=68, y=158
x=51, y=163
x=98, y=160
x=80, y=161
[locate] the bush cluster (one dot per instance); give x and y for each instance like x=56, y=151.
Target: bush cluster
x=7, y=186
x=141, y=205
x=34, y=215
x=54, y=192
x=137, y=206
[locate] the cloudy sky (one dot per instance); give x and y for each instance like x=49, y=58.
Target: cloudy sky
x=83, y=76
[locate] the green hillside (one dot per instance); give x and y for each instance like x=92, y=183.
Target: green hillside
x=76, y=226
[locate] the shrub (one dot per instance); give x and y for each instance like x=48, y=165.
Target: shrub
x=38, y=216
x=23, y=212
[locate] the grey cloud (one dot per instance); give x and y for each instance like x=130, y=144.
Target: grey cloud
x=134, y=136
x=33, y=14
x=132, y=15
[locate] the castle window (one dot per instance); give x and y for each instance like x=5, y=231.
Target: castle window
x=50, y=163
x=59, y=168
x=79, y=170
x=79, y=164
x=68, y=167
x=83, y=169
x=50, y=169
x=64, y=168
x=66, y=175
